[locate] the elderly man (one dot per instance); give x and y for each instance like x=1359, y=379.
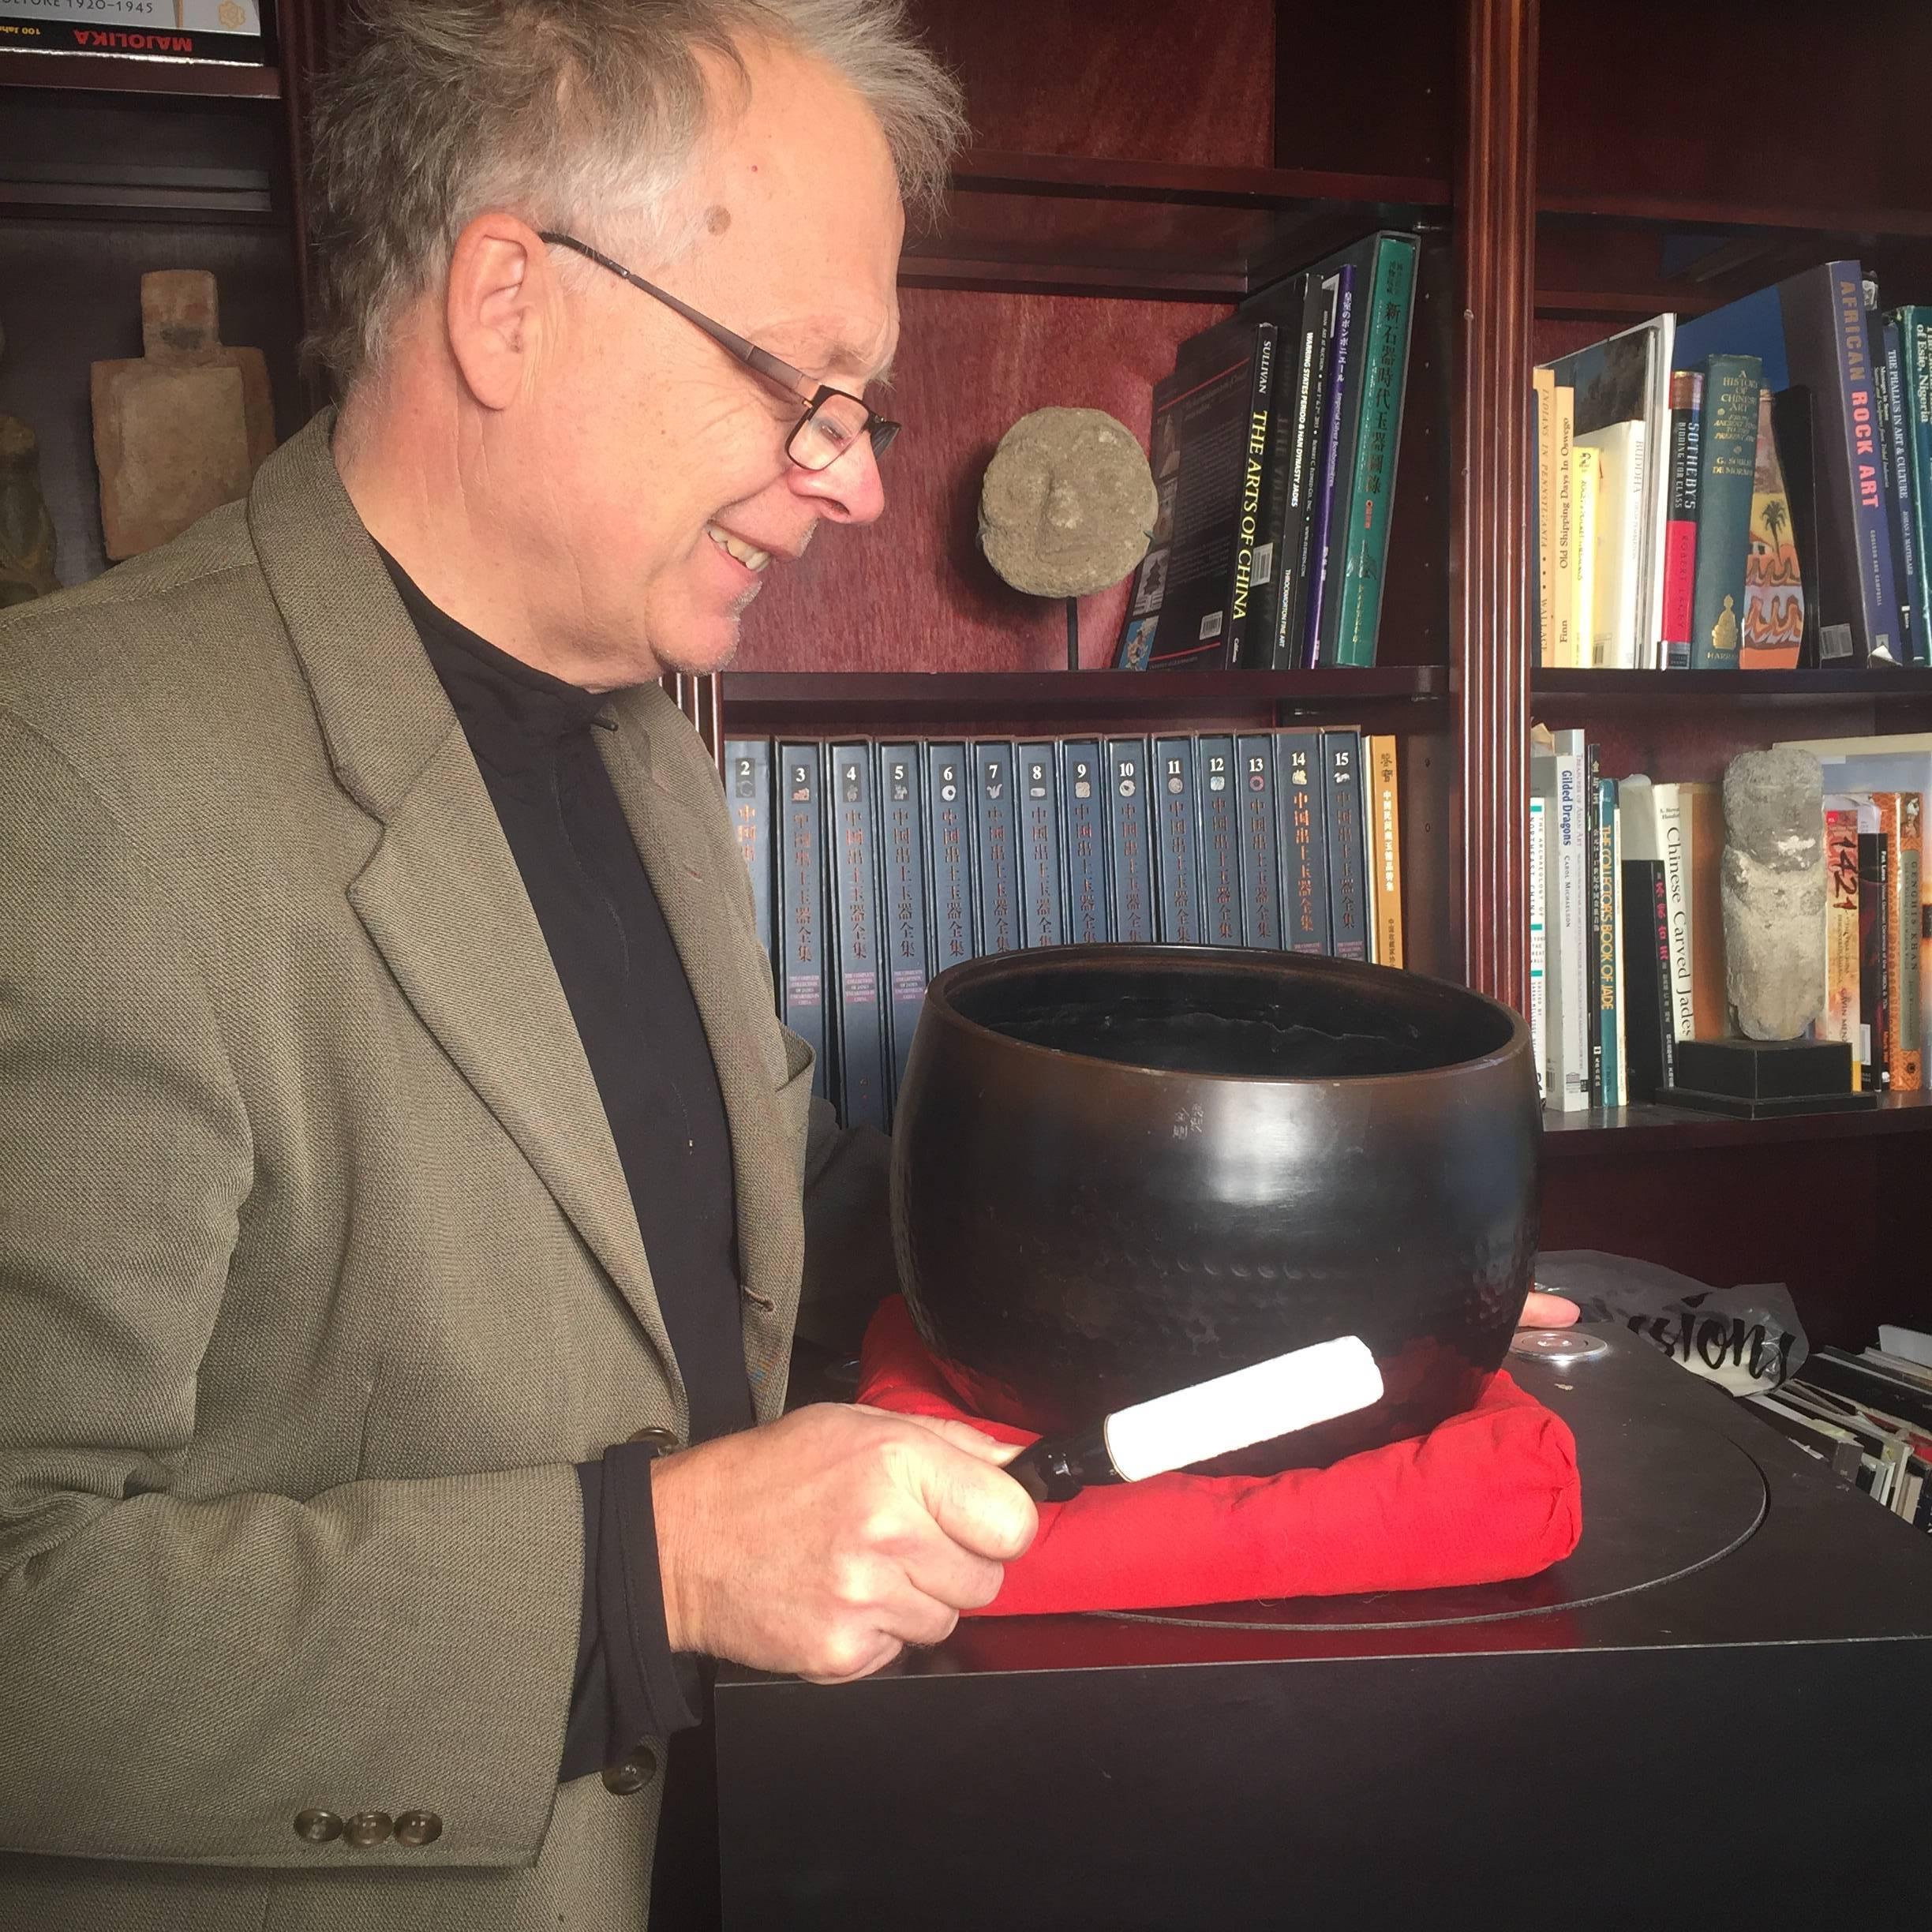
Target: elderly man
x=402, y=1230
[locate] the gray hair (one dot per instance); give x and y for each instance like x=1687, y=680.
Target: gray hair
x=553, y=108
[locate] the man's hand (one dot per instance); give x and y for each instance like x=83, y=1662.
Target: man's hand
x=822, y=1545
x=1547, y=1311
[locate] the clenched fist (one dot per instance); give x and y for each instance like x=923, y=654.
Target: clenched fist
x=823, y=1544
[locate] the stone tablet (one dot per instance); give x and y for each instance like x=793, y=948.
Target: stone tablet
x=1773, y=890
x=1067, y=503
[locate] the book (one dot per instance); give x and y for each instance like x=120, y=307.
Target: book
x=1701, y=809
x=1338, y=286
x=1130, y=842
x=1348, y=909
x=1220, y=841
x=1606, y=1051
x=1840, y=1019
x=1647, y=1014
x=1543, y=424
x=1260, y=860
x=1727, y=468
x=1557, y=775
x=1898, y=825
x=996, y=848
x=1301, y=834
x=1618, y=595
x=1687, y=394
x=802, y=886
x=1177, y=845
x=1583, y=460
x=1774, y=604
x=1385, y=844
x=1620, y=1029
x=1191, y=595
x=1874, y=949
x=949, y=848
x=1562, y=537
x=1084, y=823
x=1914, y=333
x=1894, y=440
x=1539, y=944
x=1042, y=911
x=748, y=792
x=856, y=949
x=1626, y=379
x=904, y=941
x=1651, y=818
x=1811, y=330
x=1595, y=912
x=1371, y=428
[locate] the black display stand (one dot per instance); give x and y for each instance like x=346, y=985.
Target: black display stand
x=1688, y=1723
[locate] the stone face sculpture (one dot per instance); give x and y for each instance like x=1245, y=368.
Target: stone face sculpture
x=26, y=530
x=1773, y=889
x=182, y=429
x=1067, y=502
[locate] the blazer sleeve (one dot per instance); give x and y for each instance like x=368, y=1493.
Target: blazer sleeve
x=185, y=1673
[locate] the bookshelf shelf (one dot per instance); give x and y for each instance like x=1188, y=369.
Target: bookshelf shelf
x=1604, y=1132
x=106, y=73
x=1052, y=224
x=137, y=193
x=1732, y=688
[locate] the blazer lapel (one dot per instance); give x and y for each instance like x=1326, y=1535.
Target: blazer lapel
x=441, y=897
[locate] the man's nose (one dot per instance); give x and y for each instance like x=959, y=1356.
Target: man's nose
x=849, y=490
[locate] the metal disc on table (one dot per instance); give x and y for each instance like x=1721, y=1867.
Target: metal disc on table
x=1559, y=1347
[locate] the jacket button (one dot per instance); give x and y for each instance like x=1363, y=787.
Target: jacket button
x=317, y=1827
x=367, y=1828
x=661, y=1441
x=632, y=1774
x=418, y=1828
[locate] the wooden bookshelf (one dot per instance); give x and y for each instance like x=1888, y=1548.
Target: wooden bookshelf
x=155, y=77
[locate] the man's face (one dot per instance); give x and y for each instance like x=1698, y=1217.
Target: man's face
x=657, y=492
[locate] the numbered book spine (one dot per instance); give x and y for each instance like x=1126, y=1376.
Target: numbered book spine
x=1260, y=855
x=1348, y=877
x=1220, y=841
x=1176, y=849
x=996, y=851
x=948, y=846
x=902, y=901
x=855, y=944
x=801, y=892
x=748, y=791
x=1130, y=842
x=1385, y=848
x=1084, y=830
x=1539, y=947
x=1302, y=835
x=1042, y=911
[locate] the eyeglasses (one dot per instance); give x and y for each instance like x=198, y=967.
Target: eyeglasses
x=834, y=420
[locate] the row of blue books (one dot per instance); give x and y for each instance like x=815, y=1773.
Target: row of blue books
x=875, y=865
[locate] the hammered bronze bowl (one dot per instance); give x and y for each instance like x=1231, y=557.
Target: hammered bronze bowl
x=1120, y=1170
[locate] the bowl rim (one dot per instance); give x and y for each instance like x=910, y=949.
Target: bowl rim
x=940, y=989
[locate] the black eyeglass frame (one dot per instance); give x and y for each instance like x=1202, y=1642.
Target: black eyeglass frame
x=879, y=429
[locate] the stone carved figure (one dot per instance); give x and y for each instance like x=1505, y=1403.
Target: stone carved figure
x=26, y=529
x=1773, y=890
x=182, y=429
x=1066, y=503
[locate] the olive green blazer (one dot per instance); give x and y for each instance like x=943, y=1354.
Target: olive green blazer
x=317, y=1268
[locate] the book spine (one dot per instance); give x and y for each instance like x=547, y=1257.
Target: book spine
x=1304, y=458
x=1728, y=458
x=1593, y=844
x=1348, y=908
x=1874, y=1014
x=1250, y=605
x=1276, y=569
x=1898, y=825
x=802, y=887
x=949, y=835
x=1674, y=847
x=1915, y=396
x=856, y=939
x=1619, y=1039
x=1220, y=841
x=1646, y=978
x=1176, y=851
x=1042, y=911
x=1544, y=428
x=1539, y=945
x=996, y=847
x=1840, y=1019
x=1894, y=411
x=1687, y=394
x=1878, y=590
x=1582, y=552
x=1384, y=783
x=1260, y=867
x=904, y=943
x=1301, y=834
x=1377, y=437
x=1321, y=585
x=1129, y=841
x=1562, y=565
x=748, y=781
x=1083, y=819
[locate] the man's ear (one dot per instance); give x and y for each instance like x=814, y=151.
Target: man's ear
x=498, y=303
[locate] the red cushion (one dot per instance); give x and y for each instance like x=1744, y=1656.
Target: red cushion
x=1489, y=1495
